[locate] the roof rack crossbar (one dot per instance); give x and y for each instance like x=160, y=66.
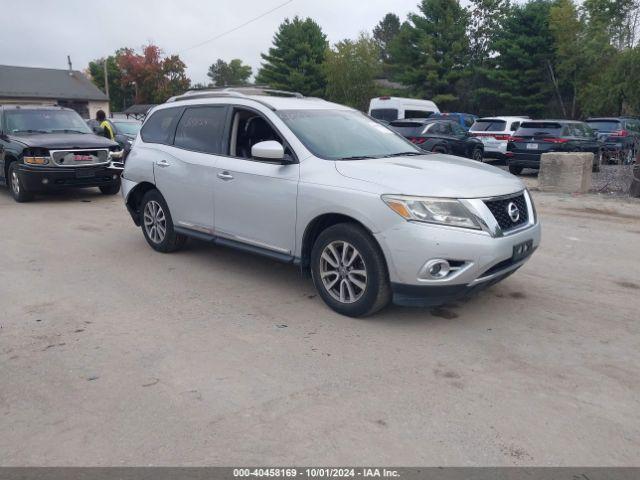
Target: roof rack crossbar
x=233, y=92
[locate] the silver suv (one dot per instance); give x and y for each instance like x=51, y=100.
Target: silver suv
x=323, y=186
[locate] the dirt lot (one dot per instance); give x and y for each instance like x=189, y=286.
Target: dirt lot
x=112, y=354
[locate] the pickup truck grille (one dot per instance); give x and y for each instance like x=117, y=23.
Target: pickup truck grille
x=78, y=158
x=500, y=208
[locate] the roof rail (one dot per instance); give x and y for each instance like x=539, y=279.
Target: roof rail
x=234, y=92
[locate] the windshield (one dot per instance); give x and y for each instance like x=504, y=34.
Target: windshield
x=605, y=125
x=44, y=121
x=127, y=128
x=344, y=134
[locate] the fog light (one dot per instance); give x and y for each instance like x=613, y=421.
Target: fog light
x=45, y=181
x=437, y=268
x=115, y=177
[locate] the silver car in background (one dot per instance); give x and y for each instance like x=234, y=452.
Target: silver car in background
x=305, y=181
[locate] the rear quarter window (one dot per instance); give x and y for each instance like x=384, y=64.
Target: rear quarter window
x=160, y=126
x=417, y=113
x=386, y=114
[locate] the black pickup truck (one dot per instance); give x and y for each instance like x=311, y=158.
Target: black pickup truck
x=44, y=148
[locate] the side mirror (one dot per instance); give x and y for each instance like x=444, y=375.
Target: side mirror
x=270, y=150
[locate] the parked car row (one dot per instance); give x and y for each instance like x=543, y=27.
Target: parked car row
x=519, y=141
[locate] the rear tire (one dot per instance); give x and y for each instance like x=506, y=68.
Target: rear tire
x=157, y=225
x=515, y=170
x=18, y=191
x=110, y=189
x=477, y=155
x=349, y=271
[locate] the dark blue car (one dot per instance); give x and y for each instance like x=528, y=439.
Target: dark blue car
x=465, y=120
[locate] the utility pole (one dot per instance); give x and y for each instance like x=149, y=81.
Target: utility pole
x=106, y=78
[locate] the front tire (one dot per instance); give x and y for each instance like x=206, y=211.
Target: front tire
x=110, y=189
x=18, y=191
x=157, y=225
x=349, y=271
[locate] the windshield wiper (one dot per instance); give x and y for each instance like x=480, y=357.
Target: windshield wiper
x=357, y=157
x=67, y=130
x=404, y=154
x=29, y=131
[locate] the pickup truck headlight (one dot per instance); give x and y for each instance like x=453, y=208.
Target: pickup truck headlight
x=115, y=154
x=441, y=211
x=36, y=160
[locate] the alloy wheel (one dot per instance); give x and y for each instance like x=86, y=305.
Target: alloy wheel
x=155, y=222
x=343, y=271
x=15, y=182
x=477, y=155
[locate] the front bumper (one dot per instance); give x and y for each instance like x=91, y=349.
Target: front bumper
x=484, y=259
x=37, y=179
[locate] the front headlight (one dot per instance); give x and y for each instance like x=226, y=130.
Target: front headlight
x=115, y=154
x=441, y=211
x=36, y=160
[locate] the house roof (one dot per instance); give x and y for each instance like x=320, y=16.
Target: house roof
x=28, y=82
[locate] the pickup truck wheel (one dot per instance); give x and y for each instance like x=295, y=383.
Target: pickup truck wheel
x=515, y=170
x=16, y=187
x=157, y=225
x=110, y=189
x=349, y=271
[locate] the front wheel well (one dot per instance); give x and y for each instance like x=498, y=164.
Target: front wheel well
x=135, y=199
x=8, y=160
x=316, y=227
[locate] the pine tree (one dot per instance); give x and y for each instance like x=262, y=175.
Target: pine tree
x=295, y=60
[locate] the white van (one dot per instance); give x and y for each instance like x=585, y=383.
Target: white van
x=388, y=109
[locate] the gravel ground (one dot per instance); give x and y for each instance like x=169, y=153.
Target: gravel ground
x=114, y=354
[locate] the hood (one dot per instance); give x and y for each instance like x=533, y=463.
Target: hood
x=432, y=175
x=57, y=141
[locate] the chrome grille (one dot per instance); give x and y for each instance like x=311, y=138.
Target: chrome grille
x=78, y=158
x=500, y=208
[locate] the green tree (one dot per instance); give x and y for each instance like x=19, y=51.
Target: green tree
x=517, y=80
x=233, y=73
x=295, y=62
x=351, y=68
x=120, y=95
x=430, y=54
x=384, y=33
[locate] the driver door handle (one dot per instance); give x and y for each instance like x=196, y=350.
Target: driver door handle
x=163, y=163
x=225, y=176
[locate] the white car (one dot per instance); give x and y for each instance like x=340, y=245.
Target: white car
x=388, y=109
x=495, y=133
x=304, y=181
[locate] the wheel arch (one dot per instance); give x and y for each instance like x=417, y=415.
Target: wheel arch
x=320, y=223
x=8, y=160
x=134, y=199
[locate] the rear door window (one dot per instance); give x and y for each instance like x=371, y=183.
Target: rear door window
x=515, y=126
x=201, y=129
x=160, y=126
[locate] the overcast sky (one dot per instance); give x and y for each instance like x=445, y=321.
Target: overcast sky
x=42, y=33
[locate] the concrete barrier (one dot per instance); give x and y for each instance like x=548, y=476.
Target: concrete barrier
x=565, y=172
x=634, y=190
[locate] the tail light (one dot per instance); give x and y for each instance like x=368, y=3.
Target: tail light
x=499, y=137
x=619, y=133
x=517, y=139
x=502, y=138
x=417, y=140
x=555, y=140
